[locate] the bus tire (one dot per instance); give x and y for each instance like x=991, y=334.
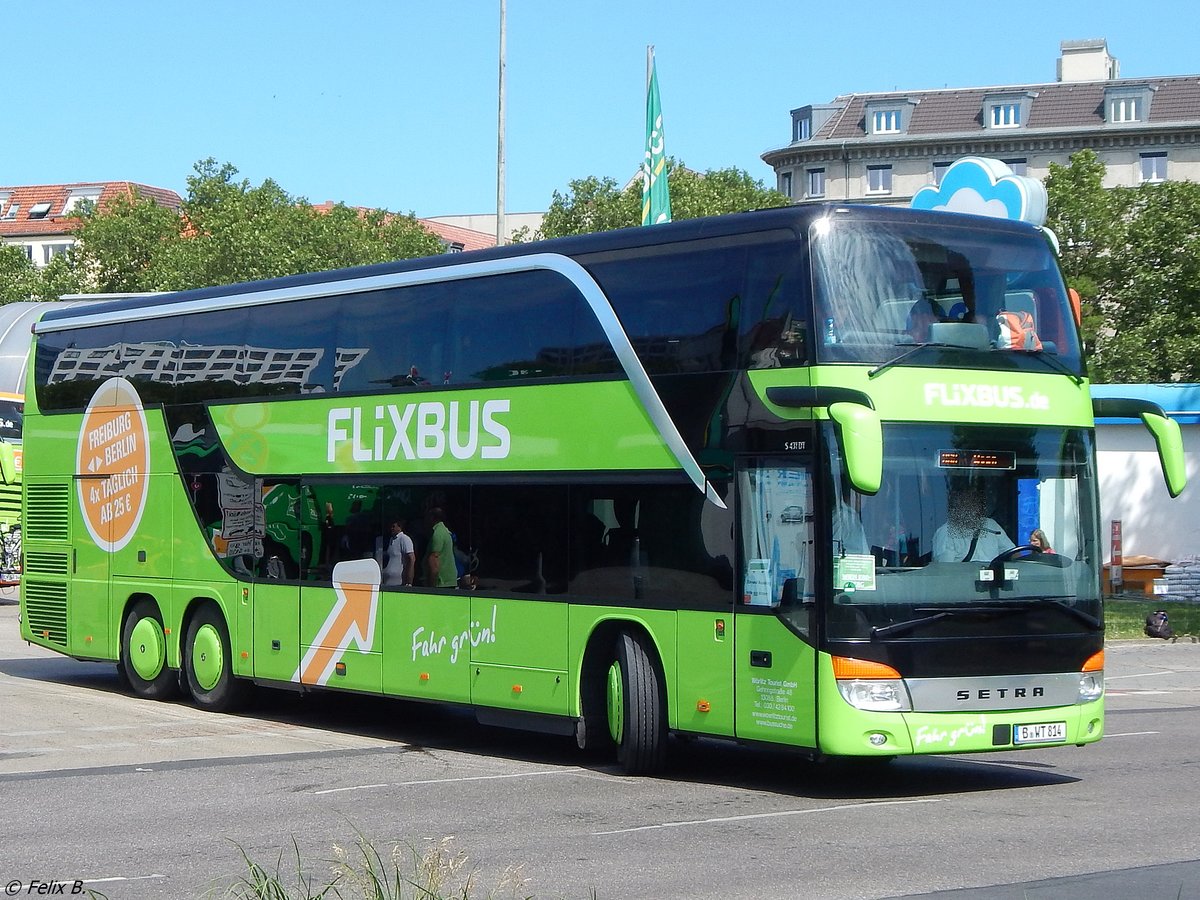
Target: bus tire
x=208, y=663
x=637, y=706
x=143, y=662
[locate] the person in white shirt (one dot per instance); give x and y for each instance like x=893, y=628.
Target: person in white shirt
x=968, y=535
x=401, y=557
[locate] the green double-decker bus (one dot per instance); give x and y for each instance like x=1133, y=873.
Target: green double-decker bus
x=767, y=477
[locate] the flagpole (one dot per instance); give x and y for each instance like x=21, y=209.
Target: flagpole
x=500, y=230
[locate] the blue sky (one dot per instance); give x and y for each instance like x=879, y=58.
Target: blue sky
x=393, y=104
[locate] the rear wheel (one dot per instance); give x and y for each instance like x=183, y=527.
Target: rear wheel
x=143, y=663
x=208, y=663
x=637, y=706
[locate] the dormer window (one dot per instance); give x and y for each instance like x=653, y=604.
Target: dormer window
x=888, y=116
x=91, y=195
x=39, y=210
x=1123, y=105
x=802, y=129
x=1006, y=115
x=885, y=121
x=1006, y=110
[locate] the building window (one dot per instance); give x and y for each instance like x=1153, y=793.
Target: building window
x=816, y=182
x=1018, y=166
x=785, y=184
x=1006, y=115
x=49, y=251
x=78, y=197
x=885, y=121
x=1123, y=109
x=11, y=212
x=39, y=210
x=1154, y=167
x=803, y=129
x=939, y=171
x=1125, y=103
x=879, y=179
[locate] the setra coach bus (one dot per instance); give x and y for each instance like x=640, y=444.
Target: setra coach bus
x=767, y=477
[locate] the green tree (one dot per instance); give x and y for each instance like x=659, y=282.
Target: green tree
x=1085, y=217
x=18, y=277
x=228, y=231
x=1133, y=254
x=1151, y=297
x=599, y=204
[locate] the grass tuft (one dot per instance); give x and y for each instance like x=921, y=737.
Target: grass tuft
x=438, y=871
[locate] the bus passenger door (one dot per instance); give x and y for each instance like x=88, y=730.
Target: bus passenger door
x=774, y=652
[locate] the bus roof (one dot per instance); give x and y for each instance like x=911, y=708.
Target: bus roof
x=793, y=218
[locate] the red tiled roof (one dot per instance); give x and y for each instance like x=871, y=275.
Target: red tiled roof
x=451, y=234
x=464, y=237
x=26, y=197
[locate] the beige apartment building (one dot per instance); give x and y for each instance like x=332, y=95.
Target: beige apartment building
x=883, y=147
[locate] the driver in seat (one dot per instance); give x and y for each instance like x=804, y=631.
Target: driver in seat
x=968, y=535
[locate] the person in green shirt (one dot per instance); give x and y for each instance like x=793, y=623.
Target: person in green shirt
x=440, y=568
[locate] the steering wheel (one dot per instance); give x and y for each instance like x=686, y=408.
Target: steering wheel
x=1034, y=553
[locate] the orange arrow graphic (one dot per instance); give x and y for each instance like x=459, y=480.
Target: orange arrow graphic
x=352, y=620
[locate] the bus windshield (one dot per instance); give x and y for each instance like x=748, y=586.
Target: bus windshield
x=950, y=538
x=885, y=288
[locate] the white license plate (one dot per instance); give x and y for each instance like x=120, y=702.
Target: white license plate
x=1042, y=733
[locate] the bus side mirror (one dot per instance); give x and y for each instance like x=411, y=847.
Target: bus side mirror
x=1169, y=440
x=862, y=442
x=1165, y=430
x=8, y=465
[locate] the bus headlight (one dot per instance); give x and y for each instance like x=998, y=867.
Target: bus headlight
x=1091, y=686
x=870, y=686
x=1091, y=679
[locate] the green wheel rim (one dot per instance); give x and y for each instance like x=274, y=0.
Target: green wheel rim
x=208, y=657
x=147, y=648
x=616, y=703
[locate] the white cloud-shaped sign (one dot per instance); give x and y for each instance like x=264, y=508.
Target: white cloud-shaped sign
x=985, y=187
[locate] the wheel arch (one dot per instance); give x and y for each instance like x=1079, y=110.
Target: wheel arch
x=599, y=651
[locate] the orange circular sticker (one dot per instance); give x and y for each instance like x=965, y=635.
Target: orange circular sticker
x=113, y=462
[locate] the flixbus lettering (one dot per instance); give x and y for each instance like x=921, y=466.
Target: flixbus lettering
x=987, y=395
x=425, y=430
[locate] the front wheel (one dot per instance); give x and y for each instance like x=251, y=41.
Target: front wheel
x=208, y=663
x=143, y=663
x=637, y=706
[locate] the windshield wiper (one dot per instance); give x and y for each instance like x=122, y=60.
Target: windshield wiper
x=939, y=612
x=1007, y=607
x=912, y=351
x=1050, y=360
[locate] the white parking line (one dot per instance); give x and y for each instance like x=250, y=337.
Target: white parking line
x=1130, y=733
x=774, y=815
x=365, y=787
x=1140, y=675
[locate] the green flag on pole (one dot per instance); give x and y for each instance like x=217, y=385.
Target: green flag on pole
x=656, y=201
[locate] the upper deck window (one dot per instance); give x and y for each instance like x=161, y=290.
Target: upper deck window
x=889, y=285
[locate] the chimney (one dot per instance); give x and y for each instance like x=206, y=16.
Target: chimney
x=1087, y=61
